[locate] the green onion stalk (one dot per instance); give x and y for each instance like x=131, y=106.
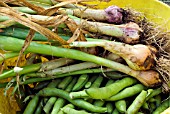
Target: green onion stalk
x=148, y=78
x=65, y=69
x=8, y=55
x=35, y=67
x=128, y=33
x=138, y=57
x=22, y=33
x=84, y=71
x=112, y=14
x=29, y=80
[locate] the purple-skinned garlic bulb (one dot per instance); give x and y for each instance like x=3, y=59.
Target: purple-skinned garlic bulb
x=114, y=14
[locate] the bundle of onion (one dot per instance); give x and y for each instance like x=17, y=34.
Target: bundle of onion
x=138, y=57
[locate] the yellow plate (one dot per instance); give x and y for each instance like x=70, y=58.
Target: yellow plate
x=154, y=10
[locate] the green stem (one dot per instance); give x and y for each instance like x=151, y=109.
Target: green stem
x=39, y=79
x=85, y=71
x=66, y=69
x=34, y=68
x=53, y=64
x=32, y=80
x=22, y=34
x=148, y=78
x=128, y=33
x=3, y=85
x=26, y=69
x=138, y=57
x=8, y=55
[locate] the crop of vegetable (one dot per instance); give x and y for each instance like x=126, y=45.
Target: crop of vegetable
x=67, y=57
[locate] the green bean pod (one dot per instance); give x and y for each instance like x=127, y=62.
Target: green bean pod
x=121, y=106
x=127, y=92
x=69, y=110
x=31, y=107
x=39, y=108
x=68, y=105
x=65, y=82
x=109, y=82
x=58, y=104
x=154, y=93
x=77, y=102
x=137, y=103
x=98, y=102
x=91, y=80
x=109, y=106
x=97, y=82
x=45, y=100
x=54, y=83
x=49, y=105
x=108, y=91
x=50, y=102
x=82, y=80
x=82, y=94
x=152, y=106
x=163, y=106
x=41, y=85
x=145, y=105
x=140, y=113
x=151, y=100
x=115, y=111
x=104, y=92
x=158, y=100
x=102, y=102
x=71, y=85
x=60, y=101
